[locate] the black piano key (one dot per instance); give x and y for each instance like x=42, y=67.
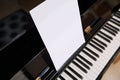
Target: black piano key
x=115, y=28
x=96, y=47
x=61, y=77
x=80, y=67
x=89, y=55
x=104, y=38
x=80, y=76
x=97, y=43
x=82, y=63
x=115, y=22
x=88, y=62
x=106, y=35
x=100, y=42
x=117, y=14
x=92, y=52
x=109, y=31
x=70, y=75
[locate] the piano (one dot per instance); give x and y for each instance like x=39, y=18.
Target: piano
x=93, y=57
x=90, y=61
x=87, y=63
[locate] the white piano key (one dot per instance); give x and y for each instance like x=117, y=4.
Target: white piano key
x=115, y=17
x=110, y=27
x=118, y=9
x=111, y=23
x=109, y=35
x=85, y=75
x=90, y=53
x=81, y=64
x=96, y=46
x=102, y=30
x=104, y=36
x=90, y=60
x=105, y=54
x=101, y=39
x=58, y=78
x=78, y=70
x=99, y=43
x=94, y=70
x=113, y=27
x=96, y=51
x=102, y=59
x=112, y=51
x=73, y=74
x=65, y=76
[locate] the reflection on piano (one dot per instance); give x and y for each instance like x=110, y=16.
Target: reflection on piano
x=90, y=61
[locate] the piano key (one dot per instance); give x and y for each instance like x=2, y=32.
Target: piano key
x=118, y=9
x=73, y=74
x=110, y=50
x=76, y=73
x=110, y=28
x=96, y=66
x=117, y=14
x=86, y=57
x=101, y=54
x=80, y=67
x=95, y=69
x=115, y=21
x=92, y=52
x=83, y=74
x=97, y=40
x=109, y=22
x=106, y=35
x=109, y=31
x=88, y=62
x=116, y=18
x=82, y=63
x=115, y=28
x=99, y=44
x=106, y=32
x=103, y=59
x=61, y=78
x=104, y=38
x=78, y=70
x=97, y=37
x=65, y=76
x=89, y=55
x=68, y=73
x=96, y=47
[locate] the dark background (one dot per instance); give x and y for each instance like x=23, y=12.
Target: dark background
x=85, y=4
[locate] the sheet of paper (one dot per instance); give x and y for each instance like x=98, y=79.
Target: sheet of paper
x=59, y=25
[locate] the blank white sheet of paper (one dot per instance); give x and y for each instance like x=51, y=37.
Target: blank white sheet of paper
x=59, y=25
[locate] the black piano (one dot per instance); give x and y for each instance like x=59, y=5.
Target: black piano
x=23, y=55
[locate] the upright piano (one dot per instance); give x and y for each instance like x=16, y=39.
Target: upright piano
x=23, y=55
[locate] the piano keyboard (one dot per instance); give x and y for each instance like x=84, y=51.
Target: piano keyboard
x=91, y=60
